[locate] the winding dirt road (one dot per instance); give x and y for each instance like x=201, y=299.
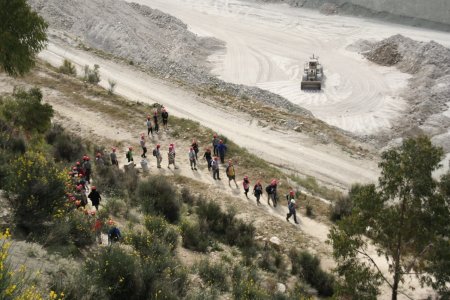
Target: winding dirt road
x=266, y=46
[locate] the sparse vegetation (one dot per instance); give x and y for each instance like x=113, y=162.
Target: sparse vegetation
x=112, y=86
x=214, y=274
x=92, y=75
x=68, y=68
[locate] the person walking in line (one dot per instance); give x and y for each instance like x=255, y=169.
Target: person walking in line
x=192, y=159
x=290, y=195
x=194, y=146
x=257, y=191
x=231, y=173
x=171, y=156
x=98, y=230
x=292, y=206
x=113, y=235
x=87, y=168
x=129, y=154
x=165, y=117
x=155, y=121
x=149, y=126
x=157, y=154
x=273, y=194
x=144, y=148
x=113, y=157
x=99, y=160
x=215, y=168
x=208, y=157
x=222, y=149
x=95, y=197
x=246, y=185
x=215, y=143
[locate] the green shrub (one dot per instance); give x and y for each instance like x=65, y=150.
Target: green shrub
x=36, y=188
x=307, y=267
x=193, y=238
x=187, y=197
x=158, y=196
x=67, y=68
x=343, y=206
x=246, y=284
x=117, y=273
x=159, y=227
x=92, y=75
x=213, y=274
x=116, y=207
x=115, y=182
x=66, y=147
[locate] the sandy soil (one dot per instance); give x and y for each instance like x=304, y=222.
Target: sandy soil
x=266, y=46
x=291, y=150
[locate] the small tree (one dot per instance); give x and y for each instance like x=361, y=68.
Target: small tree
x=36, y=188
x=407, y=218
x=22, y=36
x=92, y=75
x=112, y=86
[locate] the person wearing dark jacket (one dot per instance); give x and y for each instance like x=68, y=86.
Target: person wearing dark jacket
x=257, y=191
x=221, y=150
x=95, y=197
x=113, y=235
x=155, y=121
x=208, y=158
x=291, y=207
x=194, y=146
x=165, y=118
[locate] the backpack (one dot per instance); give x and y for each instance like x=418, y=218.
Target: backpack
x=154, y=152
x=128, y=155
x=269, y=189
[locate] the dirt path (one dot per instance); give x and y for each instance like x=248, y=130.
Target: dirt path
x=293, y=150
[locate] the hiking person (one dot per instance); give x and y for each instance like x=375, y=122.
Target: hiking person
x=158, y=156
x=98, y=230
x=81, y=195
x=82, y=181
x=113, y=157
x=171, y=156
x=113, y=235
x=291, y=207
x=193, y=159
x=95, y=197
x=129, y=154
x=74, y=172
x=215, y=143
x=257, y=191
x=149, y=126
x=273, y=194
x=215, y=168
x=79, y=168
x=221, y=150
x=155, y=121
x=246, y=185
x=290, y=195
x=144, y=148
x=231, y=173
x=165, y=117
x=87, y=168
x=194, y=146
x=208, y=157
x=99, y=160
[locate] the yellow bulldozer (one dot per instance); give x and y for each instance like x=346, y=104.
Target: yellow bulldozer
x=313, y=75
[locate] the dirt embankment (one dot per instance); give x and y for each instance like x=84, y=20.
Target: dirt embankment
x=429, y=89
x=150, y=38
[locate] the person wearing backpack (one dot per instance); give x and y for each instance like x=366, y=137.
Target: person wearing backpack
x=149, y=126
x=231, y=173
x=158, y=156
x=273, y=194
x=292, y=206
x=246, y=185
x=193, y=159
x=208, y=157
x=290, y=195
x=165, y=117
x=129, y=154
x=215, y=168
x=113, y=235
x=269, y=193
x=257, y=191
